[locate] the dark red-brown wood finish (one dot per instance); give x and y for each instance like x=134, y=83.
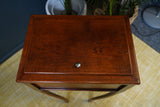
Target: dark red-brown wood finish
x=103, y=46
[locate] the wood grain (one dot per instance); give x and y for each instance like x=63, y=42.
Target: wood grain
x=102, y=44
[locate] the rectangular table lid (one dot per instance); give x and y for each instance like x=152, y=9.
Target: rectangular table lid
x=100, y=45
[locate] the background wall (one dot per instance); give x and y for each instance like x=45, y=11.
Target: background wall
x=14, y=20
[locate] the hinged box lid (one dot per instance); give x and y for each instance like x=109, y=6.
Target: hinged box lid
x=100, y=45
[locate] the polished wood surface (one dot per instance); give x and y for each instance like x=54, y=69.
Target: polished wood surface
x=103, y=46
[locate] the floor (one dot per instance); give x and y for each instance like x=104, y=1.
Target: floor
x=147, y=94
x=144, y=32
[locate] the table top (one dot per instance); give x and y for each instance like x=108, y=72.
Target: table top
x=101, y=46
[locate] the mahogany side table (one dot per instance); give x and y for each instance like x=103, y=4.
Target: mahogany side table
x=93, y=53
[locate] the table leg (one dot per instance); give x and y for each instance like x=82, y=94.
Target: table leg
x=48, y=93
x=108, y=94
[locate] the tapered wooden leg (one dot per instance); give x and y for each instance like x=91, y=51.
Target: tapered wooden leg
x=48, y=93
x=108, y=94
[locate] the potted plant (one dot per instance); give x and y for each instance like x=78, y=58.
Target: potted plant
x=114, y=7
x=65, y=7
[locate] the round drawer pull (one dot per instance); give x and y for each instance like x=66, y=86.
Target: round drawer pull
x=77, y=65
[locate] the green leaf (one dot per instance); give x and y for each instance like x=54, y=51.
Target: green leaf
x=111, y=5
x=68, y=7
